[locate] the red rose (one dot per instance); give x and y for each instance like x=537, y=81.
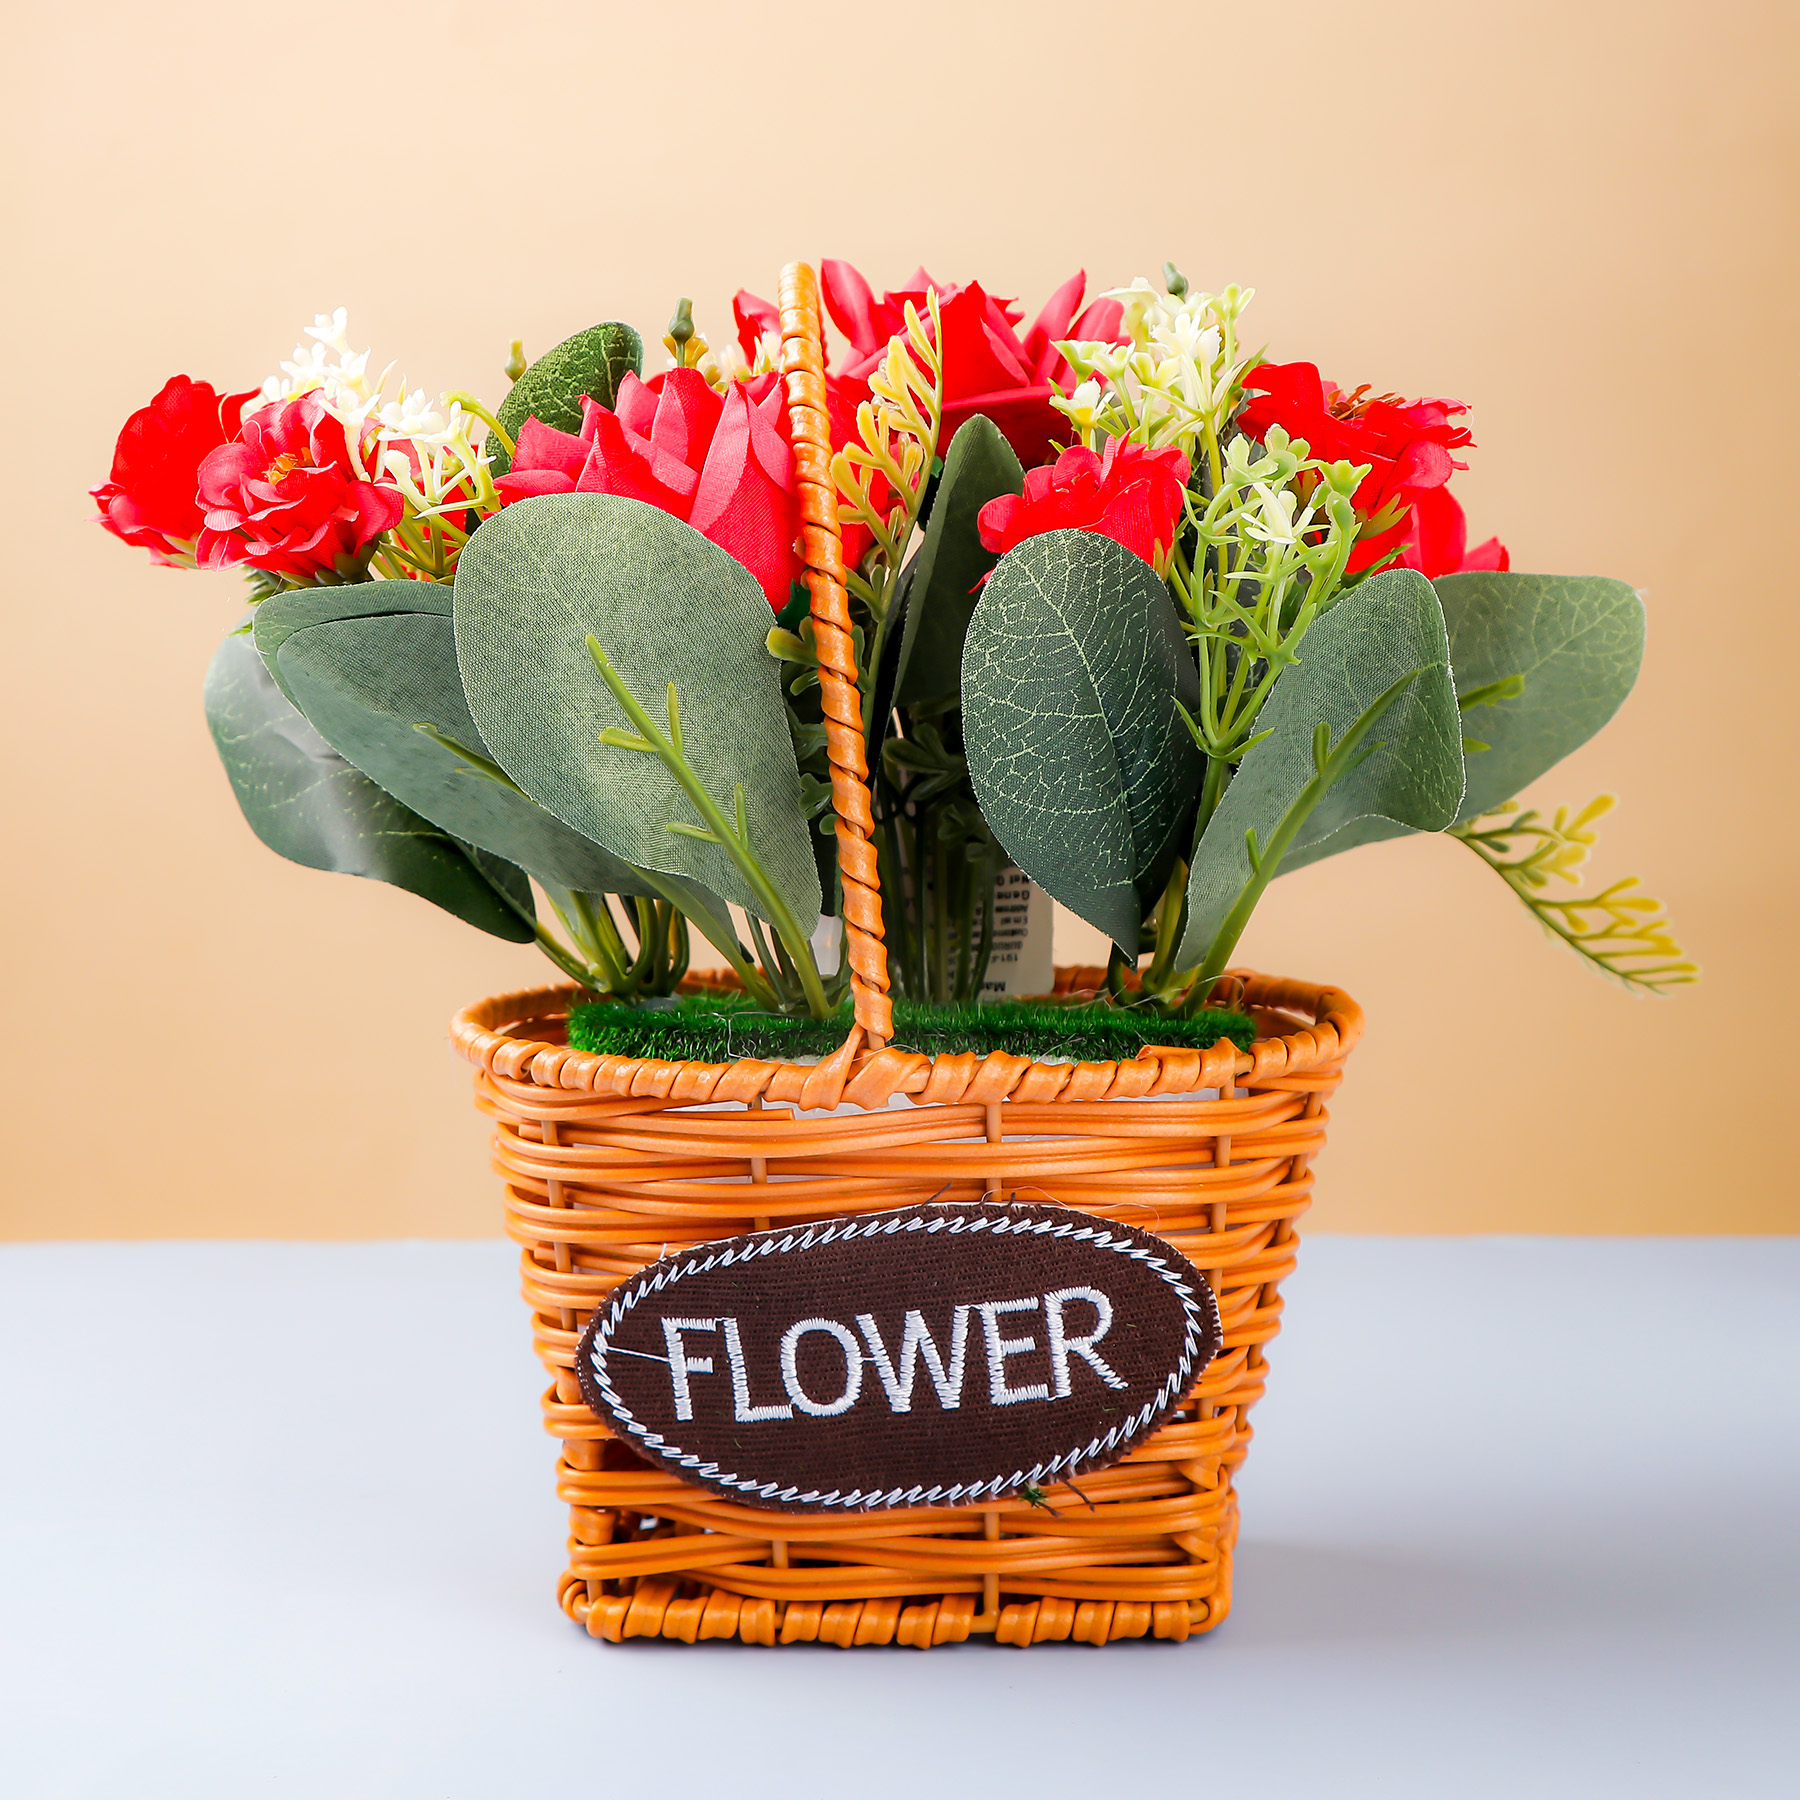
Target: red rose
x=718, y=461
x=987, y=368
x=1131, y=495
x=151, y=499
x=1407, y=447
x=286, y=496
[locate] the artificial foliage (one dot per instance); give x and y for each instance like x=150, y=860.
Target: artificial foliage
x=1139, y=610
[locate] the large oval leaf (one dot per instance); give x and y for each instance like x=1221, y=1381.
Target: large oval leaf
x=1575, y=640
x=309, y=805
x=1382, y=632
x=592, y=362
x=941, y=584
x=666, y=606
x=277, y=618
x=369, y=683
x=1084, y=769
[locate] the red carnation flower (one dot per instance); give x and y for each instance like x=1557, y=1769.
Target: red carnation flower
x=151, y=499
x=1406, y=444
x=1131, y=495
x=287, y=498
x=720, y=462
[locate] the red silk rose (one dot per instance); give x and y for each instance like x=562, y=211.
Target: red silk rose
x=718, y=461
x=151, y=499
x=987, y=367
x=286, y=497
x=1407, y=447
x=1131, y=495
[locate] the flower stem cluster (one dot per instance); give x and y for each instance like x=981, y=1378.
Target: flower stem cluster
x=1263, y=556
x=427, y=450
x=1176, y=381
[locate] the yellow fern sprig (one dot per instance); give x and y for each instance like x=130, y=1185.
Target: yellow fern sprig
x=897, y=436
x=1620, y=931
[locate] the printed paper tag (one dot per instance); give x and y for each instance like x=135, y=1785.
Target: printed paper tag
x=934, y=1356
x=1024, y=920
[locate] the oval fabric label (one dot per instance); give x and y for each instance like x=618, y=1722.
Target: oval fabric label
x=939, y=1355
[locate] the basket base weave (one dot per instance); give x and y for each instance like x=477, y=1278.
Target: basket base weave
x=609, y=1163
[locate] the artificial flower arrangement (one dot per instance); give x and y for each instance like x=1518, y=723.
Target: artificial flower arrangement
x=1138, y=611
x=825, y=664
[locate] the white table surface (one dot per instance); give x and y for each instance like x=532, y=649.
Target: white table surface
x=1522, y=1519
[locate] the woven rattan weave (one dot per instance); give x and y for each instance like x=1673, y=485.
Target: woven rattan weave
x=609, y=1162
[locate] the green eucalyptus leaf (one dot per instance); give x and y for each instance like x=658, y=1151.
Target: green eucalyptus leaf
x=1382, y=632
x=665, y=605
x=942, y=581
x=509, y=881
x=294, y=609
x=369, y=684
x=1577, y=641
x=592, y=362
x=1083, y=766
x=309, y=805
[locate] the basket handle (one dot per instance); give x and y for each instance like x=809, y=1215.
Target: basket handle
x=822, y=554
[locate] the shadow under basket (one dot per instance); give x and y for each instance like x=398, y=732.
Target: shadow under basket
x=610, y=1162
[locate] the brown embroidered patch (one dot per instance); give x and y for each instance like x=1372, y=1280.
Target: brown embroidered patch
x=937, y=1355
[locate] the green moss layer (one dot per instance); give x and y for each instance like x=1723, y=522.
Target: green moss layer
x=722, y=1028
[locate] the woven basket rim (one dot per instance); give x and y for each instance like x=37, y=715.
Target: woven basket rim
x=485, y=1034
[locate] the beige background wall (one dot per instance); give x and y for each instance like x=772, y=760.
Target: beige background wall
x=1578, y=217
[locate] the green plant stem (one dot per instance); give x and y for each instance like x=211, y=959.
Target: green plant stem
x=604, y=970
x=965, y=929
x=725, y=943
x=940, y=917
x=594, y=912
x=921, y=901
x=1168, y=926
x=470, y=404
x=884, y=623
x=1214, y=467
x=784, y=963
x=990, y=878
x=719, y=830
x=1212, y=791
x=1116, y=965
x=770, y=963
x=643, y=964
x=680, y=947
x=572, y=966
x=897, y=912
x=1330, y=764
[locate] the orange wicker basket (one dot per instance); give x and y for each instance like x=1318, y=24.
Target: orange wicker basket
x=610, y=1162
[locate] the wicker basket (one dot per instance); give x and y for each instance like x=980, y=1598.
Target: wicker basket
x=609, y=1162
